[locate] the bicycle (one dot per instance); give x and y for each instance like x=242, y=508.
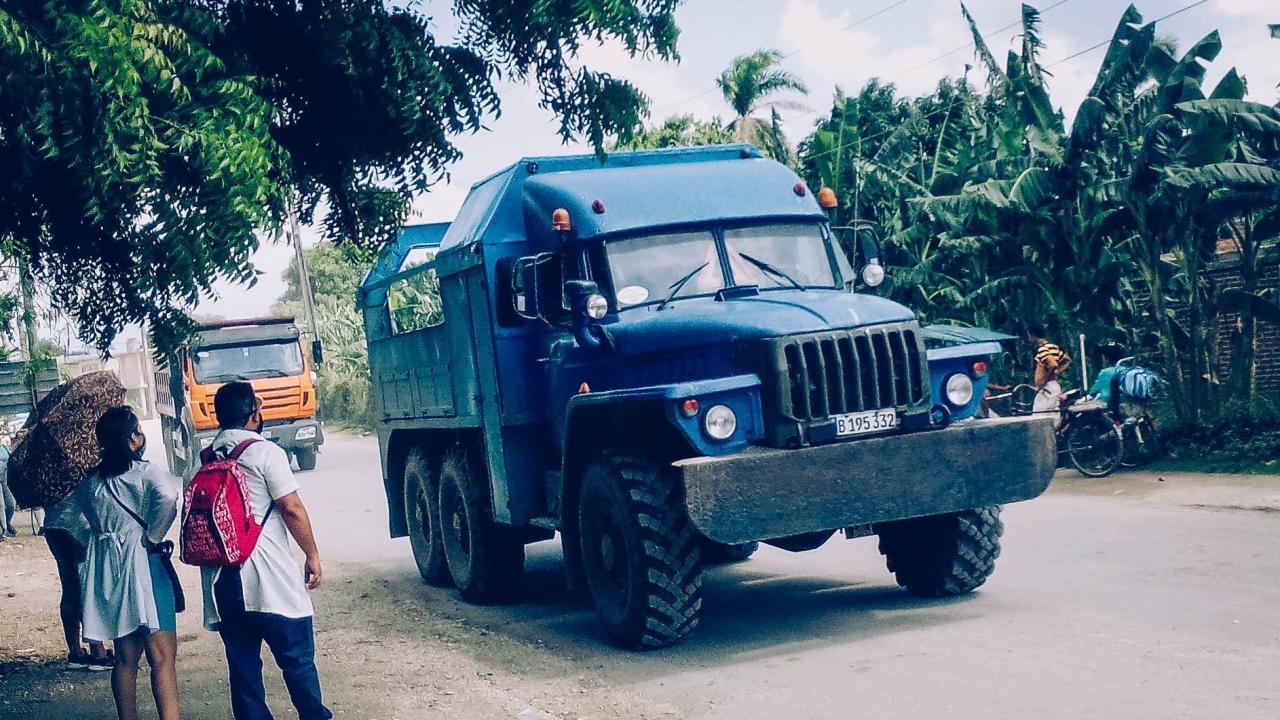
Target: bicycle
x=1087, y=435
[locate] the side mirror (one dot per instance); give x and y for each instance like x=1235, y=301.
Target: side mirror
x=524, y=288
x=587, y=307
x=317, y=352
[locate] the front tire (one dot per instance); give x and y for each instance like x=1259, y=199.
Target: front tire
x=306, y=458
x=943, y=555
x=640, y=552
x=422, y=516
x=486, y=560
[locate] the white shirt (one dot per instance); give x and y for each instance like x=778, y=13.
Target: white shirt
x=116, y=573
x=272, y=579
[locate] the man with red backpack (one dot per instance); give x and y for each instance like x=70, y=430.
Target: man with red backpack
x=237, y=521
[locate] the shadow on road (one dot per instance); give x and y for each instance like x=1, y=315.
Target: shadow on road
x=750, y=611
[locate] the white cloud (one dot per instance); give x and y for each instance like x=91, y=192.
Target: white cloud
x=1255, y=8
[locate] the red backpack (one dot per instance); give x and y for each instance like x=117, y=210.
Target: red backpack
x=218, y=526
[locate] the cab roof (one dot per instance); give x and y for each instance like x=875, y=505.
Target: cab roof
x=639, y=190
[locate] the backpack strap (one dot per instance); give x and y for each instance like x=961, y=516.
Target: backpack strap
x=106, y=482
x=239, y=449
x=235, y=454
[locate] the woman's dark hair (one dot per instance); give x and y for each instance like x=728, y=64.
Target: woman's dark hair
x=114, y=432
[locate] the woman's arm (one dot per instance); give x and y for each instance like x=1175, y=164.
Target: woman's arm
x=159, y=502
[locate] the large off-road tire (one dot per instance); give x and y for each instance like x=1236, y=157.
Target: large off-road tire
x=422, y=517
x=640, y=552
x=306, y=458
x=718, y=553
x=943, y=555
x=486, y=560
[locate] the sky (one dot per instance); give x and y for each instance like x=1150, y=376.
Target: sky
x=828, y=43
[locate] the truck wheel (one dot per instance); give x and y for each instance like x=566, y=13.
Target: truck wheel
x=717, y=553
x=486, y=560
x=640, y=552
x=943, y=555
x=306, y=458
x=422, y=515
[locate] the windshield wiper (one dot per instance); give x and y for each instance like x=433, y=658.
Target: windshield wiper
x=770, y=269
x=675, y=286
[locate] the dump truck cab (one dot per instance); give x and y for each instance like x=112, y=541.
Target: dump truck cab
x=661, y=358
x=269, y=354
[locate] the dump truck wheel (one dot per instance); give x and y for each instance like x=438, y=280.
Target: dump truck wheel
x=718, y=553
x=486, y=560
x=640, y=552
x=306, y=458
x=943, y=555
x=422, y=516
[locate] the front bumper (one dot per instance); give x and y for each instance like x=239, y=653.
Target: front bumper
x=761, y=494
x=285, y=434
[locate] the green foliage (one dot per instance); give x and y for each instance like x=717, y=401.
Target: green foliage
x=415, y=302
x=679, y=131
x=145, y=142
x=750, y=84
x=995, y=215
x=1243, y=440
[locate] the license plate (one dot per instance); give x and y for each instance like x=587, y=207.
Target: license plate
x=871, y=421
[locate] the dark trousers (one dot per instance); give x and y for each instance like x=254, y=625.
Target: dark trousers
x=292, y=644
x=68, y=553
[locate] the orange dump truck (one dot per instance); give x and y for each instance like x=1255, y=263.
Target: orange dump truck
x=269, y=354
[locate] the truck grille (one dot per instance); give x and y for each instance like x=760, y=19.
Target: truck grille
x=815, y=376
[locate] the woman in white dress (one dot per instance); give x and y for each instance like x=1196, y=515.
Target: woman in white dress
x=130, y=504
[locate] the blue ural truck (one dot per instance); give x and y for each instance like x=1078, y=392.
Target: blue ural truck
x=662, y=358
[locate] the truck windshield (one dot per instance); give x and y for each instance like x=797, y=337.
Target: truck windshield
x=773, y=256
x=648, y=269
x=645, y=269
x=247, y=362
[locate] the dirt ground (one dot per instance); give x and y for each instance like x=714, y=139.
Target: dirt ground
x=1136, y=596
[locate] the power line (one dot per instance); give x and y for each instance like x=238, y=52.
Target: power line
x=971, y=43
x=850, y=26
x=1091, y=48
x=948, y=108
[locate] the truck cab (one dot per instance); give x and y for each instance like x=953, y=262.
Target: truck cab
x=269, y=354
x=660, y=358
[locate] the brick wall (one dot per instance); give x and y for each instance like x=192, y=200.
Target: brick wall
x=1224, y=274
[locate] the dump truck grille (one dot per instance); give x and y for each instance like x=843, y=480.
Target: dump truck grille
x=819, y=375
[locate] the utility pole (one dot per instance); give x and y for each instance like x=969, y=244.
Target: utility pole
x=27, y=327
x=304, y=278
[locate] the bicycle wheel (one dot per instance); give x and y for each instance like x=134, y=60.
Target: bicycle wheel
x=1094, y=447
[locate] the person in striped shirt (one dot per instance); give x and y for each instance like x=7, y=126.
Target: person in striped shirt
x=1051, y=362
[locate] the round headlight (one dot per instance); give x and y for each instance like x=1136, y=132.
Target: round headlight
x=720, y=422
x=959, y=390
x=597, y=307
x=873, y=274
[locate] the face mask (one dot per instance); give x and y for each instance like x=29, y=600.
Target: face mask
x=142, y=449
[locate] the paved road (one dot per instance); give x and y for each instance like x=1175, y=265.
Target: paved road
x=1130, y=598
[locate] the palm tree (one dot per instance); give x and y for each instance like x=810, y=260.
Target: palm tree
x=749, y=85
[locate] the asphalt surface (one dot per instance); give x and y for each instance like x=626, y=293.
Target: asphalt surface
x=1134, y=597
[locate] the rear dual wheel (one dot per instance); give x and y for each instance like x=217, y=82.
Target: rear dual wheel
x=485, y=559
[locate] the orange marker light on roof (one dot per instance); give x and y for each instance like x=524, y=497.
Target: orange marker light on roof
x=827, y=199
x=560, y=221
x=598, y=206
x=584, y=388
x=800, y=189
